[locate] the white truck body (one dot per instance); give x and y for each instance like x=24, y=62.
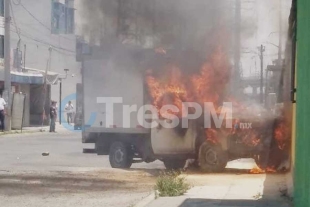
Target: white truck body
x=112, y=78
x=119, y=76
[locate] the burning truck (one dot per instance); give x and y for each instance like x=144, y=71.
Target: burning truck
x=123, y=86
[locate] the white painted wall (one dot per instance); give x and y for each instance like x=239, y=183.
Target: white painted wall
x=25, y=89
x=36, y=34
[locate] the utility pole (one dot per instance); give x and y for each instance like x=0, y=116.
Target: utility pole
x=60, y=97
x=261, y=55
x=280, y=62
x=237, y=43
x=7, y=62
x=48, y=67
x=60, y=94
x=280, y=33
x=25, y=50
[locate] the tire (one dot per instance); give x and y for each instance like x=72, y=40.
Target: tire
x=261, y=160
x=120, y=155
x=174, y=164
x=212, y=158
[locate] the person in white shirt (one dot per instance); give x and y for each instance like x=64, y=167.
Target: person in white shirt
x=2, y=112
x=70, y=111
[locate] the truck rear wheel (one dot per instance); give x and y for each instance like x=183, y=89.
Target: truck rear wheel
x=212, y=158
x=120, y=155
x=174, y=164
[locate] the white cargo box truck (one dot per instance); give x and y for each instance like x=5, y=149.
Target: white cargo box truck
x=118, y=77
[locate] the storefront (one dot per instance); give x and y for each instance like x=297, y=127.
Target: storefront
x=31, y=83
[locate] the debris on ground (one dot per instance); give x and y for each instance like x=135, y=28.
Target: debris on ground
x=45, y=154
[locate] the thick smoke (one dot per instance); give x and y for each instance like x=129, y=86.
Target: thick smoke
x=195, y=41
x=173, y=24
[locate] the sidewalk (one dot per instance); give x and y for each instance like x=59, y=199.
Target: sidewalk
x=37, y=129
x=229, y=190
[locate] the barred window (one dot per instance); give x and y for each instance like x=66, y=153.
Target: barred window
x=63, y=17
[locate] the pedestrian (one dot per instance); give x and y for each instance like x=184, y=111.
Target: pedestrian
x=53, y=116
x=2, y=112
x=70, y=111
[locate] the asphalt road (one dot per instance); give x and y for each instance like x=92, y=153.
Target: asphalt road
x=24, y=152
x=66, y=177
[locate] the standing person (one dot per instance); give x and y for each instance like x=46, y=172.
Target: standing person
x=70, y=111
x=2, y=112
x=53, y=116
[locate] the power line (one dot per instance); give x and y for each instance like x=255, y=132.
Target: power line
x=34, y=16
x=48, y=44
x=43, y=34
x=43, y=42
x=17, y=29
x=38, y=30
x=18, y=2
x=41, y=23
x=63, y=53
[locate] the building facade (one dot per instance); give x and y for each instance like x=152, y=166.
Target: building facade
x=42, y=39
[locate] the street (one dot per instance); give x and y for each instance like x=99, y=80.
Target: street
x=66, y=177
x=24, y=152
x=208, y=89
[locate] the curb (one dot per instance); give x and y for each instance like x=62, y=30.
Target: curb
x=147, y=200
x=25, y=132
x=12, y=132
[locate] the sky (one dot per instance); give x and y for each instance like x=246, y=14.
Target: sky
x=264, y=14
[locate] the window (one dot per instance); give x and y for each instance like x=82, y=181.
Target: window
x=70, y=19
x=2, y=8
x=62, y=17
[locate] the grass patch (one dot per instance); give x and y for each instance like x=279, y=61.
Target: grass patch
x=170, y=184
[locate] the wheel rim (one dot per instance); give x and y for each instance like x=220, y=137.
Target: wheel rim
x=119, y=155
x=211, y=156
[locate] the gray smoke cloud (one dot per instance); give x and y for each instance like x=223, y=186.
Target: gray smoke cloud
x=156, y=23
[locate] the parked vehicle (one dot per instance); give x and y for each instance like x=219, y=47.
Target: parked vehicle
x=118, y=77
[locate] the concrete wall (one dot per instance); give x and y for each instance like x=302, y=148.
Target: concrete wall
x=36, y=35
x=25, y=89
x=302, y=169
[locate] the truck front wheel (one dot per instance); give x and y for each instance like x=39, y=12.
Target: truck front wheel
x=174, y=164
x=120, y=155
x=212, y=158
x=261, y=160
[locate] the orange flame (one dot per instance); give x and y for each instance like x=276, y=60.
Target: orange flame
x=257, y=170
x=212, y=135
x=251, y=138
x=207, y=86
x=280, y=134
x=210, y=84
x=172, y=87
x=168, y=91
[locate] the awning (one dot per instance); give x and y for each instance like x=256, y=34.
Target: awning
x=26, y=78
x=32, y=76
x=51, y=77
